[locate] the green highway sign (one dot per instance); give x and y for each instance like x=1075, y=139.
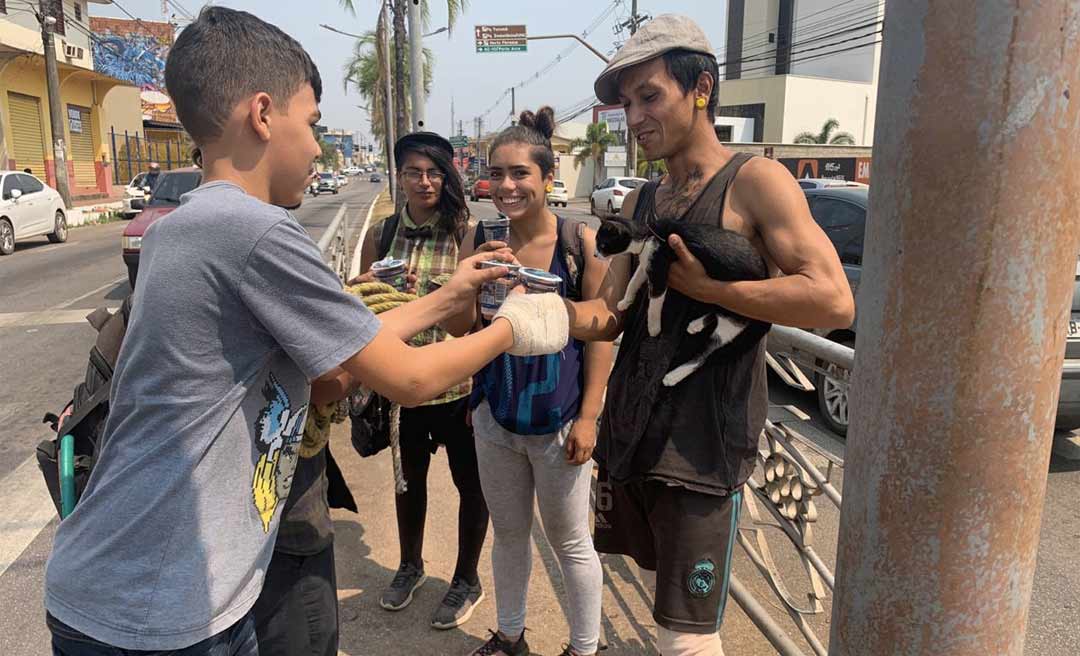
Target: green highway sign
x=459, y=142
x=501, y=38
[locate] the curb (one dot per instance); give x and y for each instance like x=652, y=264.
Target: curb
x=354, y=265
x=77, y=216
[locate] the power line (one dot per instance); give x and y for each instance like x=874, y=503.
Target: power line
x=759, y=40
x=180, y=8
x=553, y=63
x=768, y=56
x=822, y=55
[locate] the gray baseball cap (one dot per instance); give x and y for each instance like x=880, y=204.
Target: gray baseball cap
x=664, y=33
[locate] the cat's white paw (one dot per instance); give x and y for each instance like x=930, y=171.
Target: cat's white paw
x=654, y=325
x=623, y=305
x=677, y=375
x=696, y=326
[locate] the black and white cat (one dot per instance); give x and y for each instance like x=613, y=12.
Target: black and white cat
x=726, y=255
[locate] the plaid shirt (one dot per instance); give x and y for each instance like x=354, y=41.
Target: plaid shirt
x=430, y=259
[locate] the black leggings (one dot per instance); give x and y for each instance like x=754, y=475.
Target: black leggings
x=422, y=430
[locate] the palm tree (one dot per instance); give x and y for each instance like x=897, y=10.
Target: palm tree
x=826, y=135
x=593, y=146
x=399, y=50
x=363, y=70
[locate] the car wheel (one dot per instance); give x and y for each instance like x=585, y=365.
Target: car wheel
x=133, y=272
x=592, y=207
x=610, y=209
x=7, y=238
x=472, y=198
x=335, y=192
x=832, y=394
x=59, y=233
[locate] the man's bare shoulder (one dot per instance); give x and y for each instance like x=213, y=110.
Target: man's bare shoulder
x=630, y=204
x=764, y=186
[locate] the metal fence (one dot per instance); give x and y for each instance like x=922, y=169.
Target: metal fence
x=132, y=154
x=334, y=243
x=786, y=498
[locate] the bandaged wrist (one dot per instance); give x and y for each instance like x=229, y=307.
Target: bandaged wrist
x=540, y=322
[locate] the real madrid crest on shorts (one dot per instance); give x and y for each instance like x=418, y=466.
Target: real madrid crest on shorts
x=702, y=578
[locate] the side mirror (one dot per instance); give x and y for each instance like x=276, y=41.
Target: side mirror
x=146, y=188
x=16, y=193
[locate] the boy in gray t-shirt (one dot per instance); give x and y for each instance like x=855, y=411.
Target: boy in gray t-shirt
x=235, y=315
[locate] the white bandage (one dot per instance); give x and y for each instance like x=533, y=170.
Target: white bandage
x=540, y=322
x=674, y=643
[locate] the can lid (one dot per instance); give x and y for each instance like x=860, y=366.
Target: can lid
x=539, y=275
x=388, y=263
x=489, y=264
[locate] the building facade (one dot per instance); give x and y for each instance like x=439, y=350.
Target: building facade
x=27, y=139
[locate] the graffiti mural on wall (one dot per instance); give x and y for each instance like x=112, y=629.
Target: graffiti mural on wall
x=136, y=52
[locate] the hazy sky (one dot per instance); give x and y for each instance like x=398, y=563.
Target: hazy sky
x=475, y=81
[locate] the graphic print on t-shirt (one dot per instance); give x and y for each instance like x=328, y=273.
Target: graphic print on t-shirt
x=279, y=431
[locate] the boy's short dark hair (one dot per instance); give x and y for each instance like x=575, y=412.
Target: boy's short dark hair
x=686, y=67
x=225, y=56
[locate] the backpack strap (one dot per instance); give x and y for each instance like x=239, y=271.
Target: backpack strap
x=572, y=236
x=388, y=229
x=478, y=239
x=103, y=354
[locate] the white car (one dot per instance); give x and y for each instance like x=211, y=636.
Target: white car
x=342, y=180
x=29, y=208
x=609, y=195
x=828, y=183
x=559, y=194
x=352, y=170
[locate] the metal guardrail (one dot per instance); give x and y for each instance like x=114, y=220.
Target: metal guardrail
x=791, y=487
x=334, y=243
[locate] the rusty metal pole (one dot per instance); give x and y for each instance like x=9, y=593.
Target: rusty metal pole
x=971, y=252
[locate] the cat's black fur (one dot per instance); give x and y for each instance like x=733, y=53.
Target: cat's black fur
x=726, y=255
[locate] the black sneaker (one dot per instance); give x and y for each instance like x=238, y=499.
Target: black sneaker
x=498, y=646
x=458, y=604
x=400, y=593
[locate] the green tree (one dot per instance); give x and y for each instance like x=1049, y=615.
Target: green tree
x=328, y=156
x=646, y=168
x=593, y=146
x=399, y=51
x=827, y=135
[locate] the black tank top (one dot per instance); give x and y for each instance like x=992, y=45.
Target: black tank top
x=703, y=433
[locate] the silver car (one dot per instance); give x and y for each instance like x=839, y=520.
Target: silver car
x=29, y=208
x=841, y=213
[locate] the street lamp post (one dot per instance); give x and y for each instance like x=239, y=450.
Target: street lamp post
x=416, y=65
x=56, y=117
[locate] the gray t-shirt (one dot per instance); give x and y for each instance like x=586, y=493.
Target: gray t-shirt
x=235, y=312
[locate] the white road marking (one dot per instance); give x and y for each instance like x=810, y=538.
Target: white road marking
x=44, y=318
x=90, y=293
x=28, y=509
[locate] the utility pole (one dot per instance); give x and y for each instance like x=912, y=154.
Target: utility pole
x=56, y=110
x=513, y=106
x=631, y=142
x=451, y=115
x=388, y=99
x=948, y=449
x=460, y=128
x=479, y=131
x=416, y=65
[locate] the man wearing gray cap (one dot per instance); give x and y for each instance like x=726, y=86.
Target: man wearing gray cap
x=673, y=460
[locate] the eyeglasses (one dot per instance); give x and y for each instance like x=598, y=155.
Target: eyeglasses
x=414, y=176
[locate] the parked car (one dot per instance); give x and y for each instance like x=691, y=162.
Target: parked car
x=481, y=188
x=352, y=170
x=375, y=177
x=327, y=182
x=342, y=180
x=559, y=194
x=841, y=213
x=827, y=183
x=29, y=208
x=611, y=193
x=171, y=185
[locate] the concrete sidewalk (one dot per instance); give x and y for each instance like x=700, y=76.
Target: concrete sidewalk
x=367, y=556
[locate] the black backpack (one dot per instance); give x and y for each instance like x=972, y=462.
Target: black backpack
x=84, y=416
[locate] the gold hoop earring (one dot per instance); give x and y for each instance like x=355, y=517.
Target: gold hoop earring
x=700, y=103
x=549, y=188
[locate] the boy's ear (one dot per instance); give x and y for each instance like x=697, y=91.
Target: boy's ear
x=259, y=114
